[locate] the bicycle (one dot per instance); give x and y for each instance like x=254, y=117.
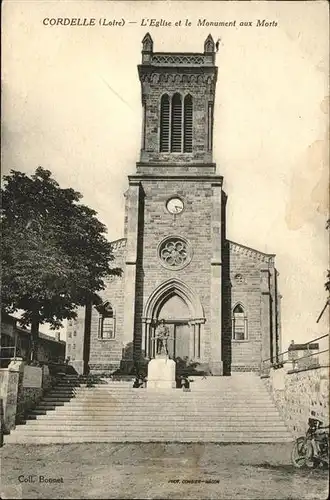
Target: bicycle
x=312, y=449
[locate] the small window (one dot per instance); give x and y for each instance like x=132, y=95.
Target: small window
x=69, y=335
x=73, y=346
x=106, y=322
x=74, y=333
x=239, y=321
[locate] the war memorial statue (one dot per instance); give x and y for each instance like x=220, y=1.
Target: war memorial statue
x=161, y=369
x=162, y=336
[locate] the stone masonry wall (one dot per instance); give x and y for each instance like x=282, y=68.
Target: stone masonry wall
x=201, y=87
x=29, y=397
x=8, y=394
x=245, y=289
x=106, y=354
x=18, y=397
x=298, y=393
x=193, y=224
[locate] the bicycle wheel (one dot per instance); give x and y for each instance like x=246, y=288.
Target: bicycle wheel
x=302, y=452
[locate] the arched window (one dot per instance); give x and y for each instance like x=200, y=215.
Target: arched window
x=187, y=126
x=165, y=124
x=239, y=321
x=176, y=124
x=106, y=321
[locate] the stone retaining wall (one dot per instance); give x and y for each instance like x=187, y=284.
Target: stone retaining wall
x=21, y=388
x=300, y=394
x=30, y=392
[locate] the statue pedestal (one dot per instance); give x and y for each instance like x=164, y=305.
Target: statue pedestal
x=161, y=373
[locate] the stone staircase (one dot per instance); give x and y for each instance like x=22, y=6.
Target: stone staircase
x=218, y=409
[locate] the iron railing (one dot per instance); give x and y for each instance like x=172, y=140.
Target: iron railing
x=311, y=359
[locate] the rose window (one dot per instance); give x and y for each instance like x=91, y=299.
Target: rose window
x=174, y=253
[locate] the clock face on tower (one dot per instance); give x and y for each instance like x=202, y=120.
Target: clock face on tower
x=174, y=206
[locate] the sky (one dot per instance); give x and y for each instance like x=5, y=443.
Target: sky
x=71, y=103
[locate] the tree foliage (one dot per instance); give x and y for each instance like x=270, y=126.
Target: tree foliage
x=54, y=252
x=327, y=283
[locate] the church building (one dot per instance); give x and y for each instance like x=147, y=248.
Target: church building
x=218, y=298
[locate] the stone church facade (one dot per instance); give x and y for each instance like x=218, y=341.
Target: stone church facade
x=219, y=299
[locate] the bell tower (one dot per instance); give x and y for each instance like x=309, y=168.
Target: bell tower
x=178, y=92
x=174, y=210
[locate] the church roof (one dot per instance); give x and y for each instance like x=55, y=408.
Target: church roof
x=117, y=244
x=251, y=252
x=233, y=246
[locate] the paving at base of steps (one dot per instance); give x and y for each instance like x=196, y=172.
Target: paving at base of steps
x=157, y=471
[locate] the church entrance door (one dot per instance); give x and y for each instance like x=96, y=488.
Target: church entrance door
x=179, y=343
x=175, y=304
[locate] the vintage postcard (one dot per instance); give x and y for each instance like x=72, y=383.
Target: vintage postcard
x=165, y=293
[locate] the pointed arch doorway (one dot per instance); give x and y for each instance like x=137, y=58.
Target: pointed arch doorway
x=182, y=311
x=176, y=315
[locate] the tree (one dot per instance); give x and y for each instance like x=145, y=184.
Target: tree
x=54, y=252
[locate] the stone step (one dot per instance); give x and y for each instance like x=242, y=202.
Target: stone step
x=170, y=431
x=128, y=418
x=66, y=387
x=62, y=392
x=165, y=392
x=82, y=417
x=154, y=414
x=57, y=399
x=130, y=389
x=75, y=404
x=47, y=404
x=199, y=387
x=170, y=426
x=178, y=408
x=110, y=399
x=55, y=439
x=174, y=396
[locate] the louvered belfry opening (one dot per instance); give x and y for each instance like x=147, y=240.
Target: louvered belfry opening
x=165, y=124
x=188, y=119
x=176, y=124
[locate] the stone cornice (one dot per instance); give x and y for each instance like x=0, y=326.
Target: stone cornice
x=174, y=165
x=251, y=252
x=178, y=75
x=213, y=179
